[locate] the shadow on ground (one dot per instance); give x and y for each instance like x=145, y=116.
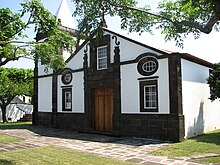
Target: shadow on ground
x=209, y=138
x=69, y=134
x=8, y=162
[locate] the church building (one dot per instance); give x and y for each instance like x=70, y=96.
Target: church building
x=118, y=86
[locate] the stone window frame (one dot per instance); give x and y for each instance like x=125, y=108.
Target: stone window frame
x=63, y=77
x=143, y=61
x=64, y=91
x=142, y=85
x=94, y=44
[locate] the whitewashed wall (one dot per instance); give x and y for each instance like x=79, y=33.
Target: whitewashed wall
x=130, y=94
x=77, y=93
x=128, y=49
x=77, y=61
x=42, y=71
x=201, y=115
x=45, y=94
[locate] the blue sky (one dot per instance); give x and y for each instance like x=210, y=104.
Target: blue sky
x=206, y=47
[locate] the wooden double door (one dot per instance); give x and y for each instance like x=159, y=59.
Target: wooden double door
x=103, y=109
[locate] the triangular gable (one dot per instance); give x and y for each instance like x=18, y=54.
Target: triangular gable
x=162, y=54
x=123, y=37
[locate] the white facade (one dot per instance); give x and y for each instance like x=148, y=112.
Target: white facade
x=45, y=94
x=201, y=115
x=130, y=90
x=77, y=93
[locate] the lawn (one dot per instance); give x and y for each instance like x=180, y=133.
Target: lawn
x=55, y=156
x=15, y=125
x=202, y=144
x=8, y=139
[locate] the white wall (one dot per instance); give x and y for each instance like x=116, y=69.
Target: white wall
x=201, y=115
x=77, y=93
x=77, y=61
x=45, y=94
x=41, y=70
x=130, y=95
x=128, y=50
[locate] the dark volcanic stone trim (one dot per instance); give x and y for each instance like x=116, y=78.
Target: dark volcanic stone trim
x=142, y=84
x=109, y=77
x=60, y=72
x=161, y=126
x=175, y=90
x=175, y=81
x=63, y=98
x=74, y=121
x=54, y=93
x=148, y=78
x=35, y=99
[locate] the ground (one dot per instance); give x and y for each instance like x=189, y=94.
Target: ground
x=127, y=149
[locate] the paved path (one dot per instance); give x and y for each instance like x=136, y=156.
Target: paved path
x=134, y=150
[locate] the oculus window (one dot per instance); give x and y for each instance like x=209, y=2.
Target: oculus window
x=67, y=77
x=147, y=66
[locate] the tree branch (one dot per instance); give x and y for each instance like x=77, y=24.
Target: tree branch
x=25, y=26
x=206, y=28
x=146, y=12
x=5, y=62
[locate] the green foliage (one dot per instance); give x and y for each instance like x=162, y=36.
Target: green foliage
x=91, y=13
x=214, y=82
x=12, y=28
x=15, y=82
x=176, y=19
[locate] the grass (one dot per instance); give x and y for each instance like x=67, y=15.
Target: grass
x=15, y=125
x=202, y=144
x=55, y=156
x=8, y=139
x=214, y=159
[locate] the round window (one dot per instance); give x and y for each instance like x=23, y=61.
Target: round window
x=67, y=77
x=147, y=66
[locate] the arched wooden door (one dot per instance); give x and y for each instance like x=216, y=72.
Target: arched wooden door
x=103, y=109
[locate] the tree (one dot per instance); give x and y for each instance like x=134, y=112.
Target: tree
x=13, y=28
x=176, y=19
x=14, y=82
x=214, y=82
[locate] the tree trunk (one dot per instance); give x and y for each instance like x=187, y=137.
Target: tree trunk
x=4, y=118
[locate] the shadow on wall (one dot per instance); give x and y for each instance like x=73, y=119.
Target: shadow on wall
x=198, y=126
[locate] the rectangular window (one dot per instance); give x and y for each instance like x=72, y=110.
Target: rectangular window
x=67, y=99
x=102, y=58
x=148, y=96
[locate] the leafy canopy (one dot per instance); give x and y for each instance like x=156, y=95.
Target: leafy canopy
x=214, y=82
x=12, y=35
x=176, y=19
x=15, y=82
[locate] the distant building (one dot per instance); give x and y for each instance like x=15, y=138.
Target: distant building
x=20, y=108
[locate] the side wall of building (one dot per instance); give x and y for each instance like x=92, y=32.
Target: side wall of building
x=201, y=115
